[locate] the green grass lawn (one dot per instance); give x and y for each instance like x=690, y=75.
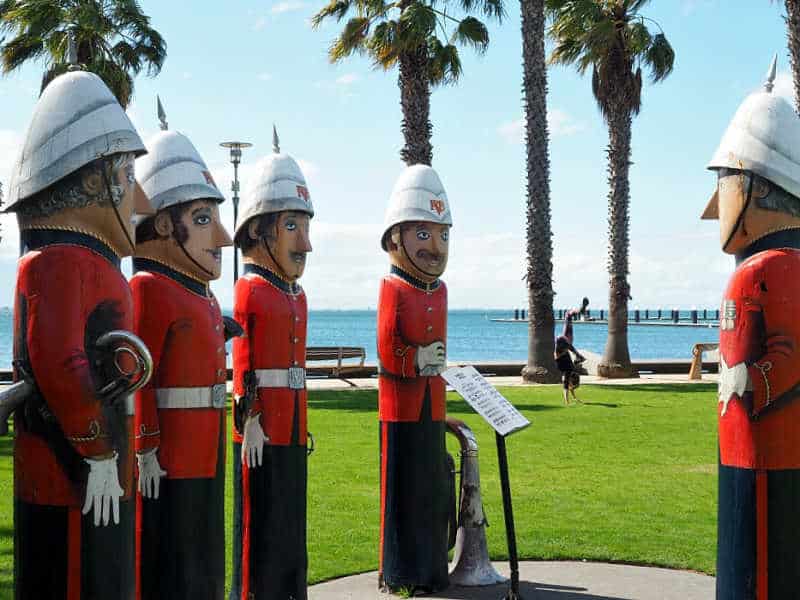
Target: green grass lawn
x=628, y=476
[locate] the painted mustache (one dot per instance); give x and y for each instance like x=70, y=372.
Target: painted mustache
x=430, y=256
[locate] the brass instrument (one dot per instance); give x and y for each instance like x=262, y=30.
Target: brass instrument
x=116, y=345
x=471, y=565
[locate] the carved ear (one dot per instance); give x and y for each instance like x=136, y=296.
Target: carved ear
x=163, y=224
x=393, y=243
x=252, y=228
x=92, y=181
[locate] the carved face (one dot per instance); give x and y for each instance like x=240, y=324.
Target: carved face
x=290, y=243
x=421, y=249
x=740, y=223
x=129, y=200
x=202, y=235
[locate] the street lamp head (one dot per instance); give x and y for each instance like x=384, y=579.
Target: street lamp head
x=236, y=150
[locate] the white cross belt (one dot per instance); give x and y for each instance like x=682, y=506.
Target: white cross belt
x=293, y=378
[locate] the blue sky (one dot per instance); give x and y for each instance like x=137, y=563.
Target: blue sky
x=234, y=68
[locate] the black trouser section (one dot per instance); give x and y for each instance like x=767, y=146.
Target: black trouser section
x=236, y=567
x=416, y=511
x=783, y=491
x=41, y=546
x=183, y=538
x=736, y=534
x=278, y=560
x=736, y=545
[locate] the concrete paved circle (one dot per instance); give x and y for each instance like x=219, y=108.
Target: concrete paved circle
x=550, y=581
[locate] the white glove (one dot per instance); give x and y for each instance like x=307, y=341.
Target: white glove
x=430, y=359
x=253, y=442
x=150, y=473
x=103, y=490
x=732, y=380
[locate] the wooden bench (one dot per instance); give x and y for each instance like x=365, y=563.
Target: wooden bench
x=338, y=354
x=696, y=369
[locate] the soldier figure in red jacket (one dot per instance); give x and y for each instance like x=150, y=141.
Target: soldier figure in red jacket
x=412, y=332
x=74, y=193
x=270, y=457
x=180, y=414
x=757, y=203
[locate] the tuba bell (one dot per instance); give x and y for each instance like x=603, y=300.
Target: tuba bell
x=119, y=347
x=471, y=565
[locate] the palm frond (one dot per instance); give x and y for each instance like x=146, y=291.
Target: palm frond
x=352, y=39
x=659, y=58
x=336, y=9
x=471, y=32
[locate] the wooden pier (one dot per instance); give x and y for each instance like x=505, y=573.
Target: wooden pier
x=658, y=317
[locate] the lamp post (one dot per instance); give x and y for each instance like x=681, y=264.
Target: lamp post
x=236, y=158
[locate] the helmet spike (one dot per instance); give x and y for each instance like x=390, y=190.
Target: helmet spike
x=770, y=82
x=72, y=51
x=162, y=115
x=276, y=142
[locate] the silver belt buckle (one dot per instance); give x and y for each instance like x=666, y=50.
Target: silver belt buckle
x=297, y=378
x=218, y=394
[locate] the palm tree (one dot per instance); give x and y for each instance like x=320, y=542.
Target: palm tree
x=406, y=33
x=793, y=33
x=541, y=366
x=113, y=38
x=612, y=38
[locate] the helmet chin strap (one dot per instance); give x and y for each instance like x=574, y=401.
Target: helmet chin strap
x=274, y=260
x=189, y=256
x=411, y=260
x=740, y=218
x=114, y=206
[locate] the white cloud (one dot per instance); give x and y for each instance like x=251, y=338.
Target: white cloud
x=186, y=75
x=264, y=77
x=287, y=6
x=689, y=7
x=260, y=23
x=559, y=124
x=784, y=85
x=347, y=79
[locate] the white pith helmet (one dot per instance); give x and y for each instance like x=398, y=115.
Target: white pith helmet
x=280, y=186
x=418, y=195
x=76, y=121
x=764, y=138
x=173, y=172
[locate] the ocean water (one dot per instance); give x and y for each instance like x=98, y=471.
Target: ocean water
x=471, y=336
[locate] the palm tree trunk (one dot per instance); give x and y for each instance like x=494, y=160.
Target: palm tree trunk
x=541, y=366
x=616, y=361
x=415, y=100
x=793, y=33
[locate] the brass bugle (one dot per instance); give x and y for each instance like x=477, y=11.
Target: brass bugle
x=471, y=565
x=118, y=343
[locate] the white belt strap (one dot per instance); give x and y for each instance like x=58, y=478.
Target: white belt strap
x=293, y=378
x=191, y=397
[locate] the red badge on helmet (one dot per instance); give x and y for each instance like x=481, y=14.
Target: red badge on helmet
x=302, y=192
x=209, y=179
x=438, y=206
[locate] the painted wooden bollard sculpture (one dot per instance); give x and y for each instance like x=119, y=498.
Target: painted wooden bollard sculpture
x=180, y=414
x=270, y=456
x=757, y=202
x=74, y=193
x=412, y=332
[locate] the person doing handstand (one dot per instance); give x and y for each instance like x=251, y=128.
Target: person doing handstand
x=567, y=366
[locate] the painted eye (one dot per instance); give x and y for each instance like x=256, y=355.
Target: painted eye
x=290, y=225
x=202, y=220
x=423, y=234
x=445, y=235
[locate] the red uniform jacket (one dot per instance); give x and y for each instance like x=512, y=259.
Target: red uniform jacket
x=273, y=314
x=410, y=314
x=181, y=323
x=760, y=327
x=69, y=291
